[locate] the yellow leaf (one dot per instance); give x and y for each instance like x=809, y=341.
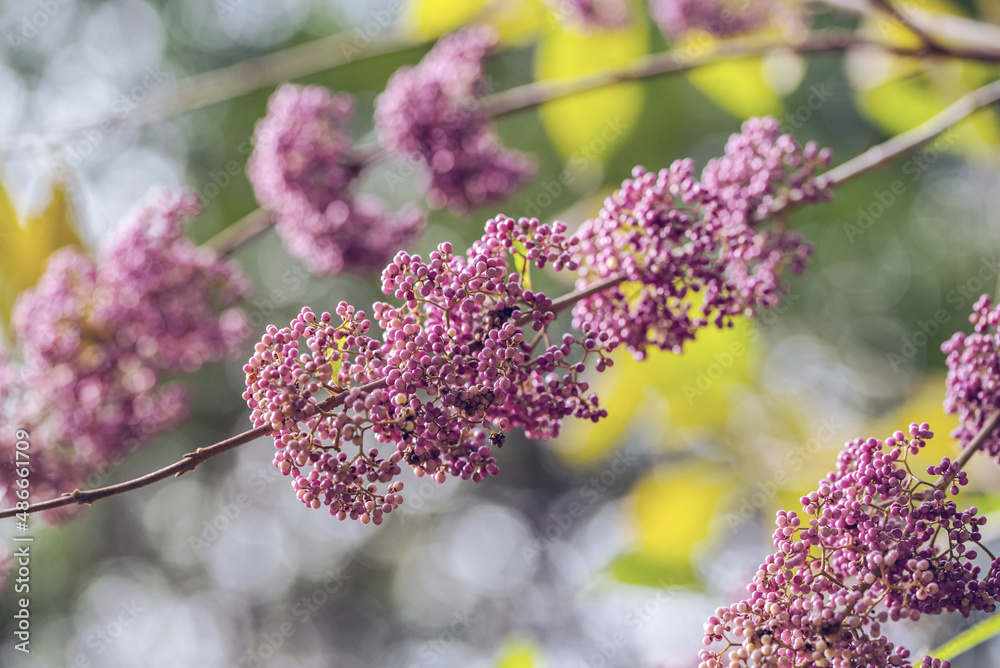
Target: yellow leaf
x=518, y=654
x=521, y=264
x=335, y=345
x=517, y=21
x=738, y=86
x=24, y=251
x=514, y=20
x=621, y=392
x=6, y=208
x=590, y=124
x=698, y=383
x=672, y=509
x=53, y=228
x=895, y=32
x=783, y=71
x=10, y=245
x=680, y=395
x=428, y=19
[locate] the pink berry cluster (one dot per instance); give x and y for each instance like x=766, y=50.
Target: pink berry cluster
x=874, y=543
x=454, y=368
x=670, y=235
x=467, y=354
x=430, y=113
x=591, y=14
x=974, y=375
x=720, y=18
x=303, y=168
x=97, y=338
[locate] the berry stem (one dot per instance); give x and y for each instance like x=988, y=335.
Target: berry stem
x=971, y=448
x=568, y=300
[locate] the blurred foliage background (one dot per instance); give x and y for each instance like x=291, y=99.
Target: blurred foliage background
x=606, y=547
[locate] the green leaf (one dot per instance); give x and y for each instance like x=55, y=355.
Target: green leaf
x=966, y=640
x=642, y=569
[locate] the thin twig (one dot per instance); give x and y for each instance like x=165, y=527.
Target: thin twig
x=186, y=463
x=946, y=29
x=685, y=59
x=902, y=143
x=533, y=94
x=233, y=81
x=269, y=69
x=243, y=230
x=654, y=65
x=566, y=301
x=906, y=21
